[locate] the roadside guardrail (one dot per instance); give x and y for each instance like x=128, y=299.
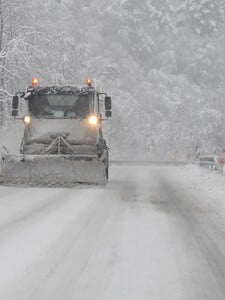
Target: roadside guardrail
x=146, y=162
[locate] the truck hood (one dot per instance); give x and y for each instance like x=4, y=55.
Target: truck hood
x=76, y=132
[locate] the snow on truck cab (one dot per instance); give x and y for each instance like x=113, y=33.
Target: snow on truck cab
x=63, y=141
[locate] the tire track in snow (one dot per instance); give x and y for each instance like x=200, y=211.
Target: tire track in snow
x=48, y=203
x=68, y=256
x=201, y=241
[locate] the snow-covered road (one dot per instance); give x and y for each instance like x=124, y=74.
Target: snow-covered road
x=151, y=233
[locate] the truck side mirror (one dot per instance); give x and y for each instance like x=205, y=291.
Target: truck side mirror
x=108, y=103
x=15, y=103
x=108, y=113
x=108, y=106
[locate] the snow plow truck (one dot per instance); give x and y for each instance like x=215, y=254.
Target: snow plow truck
x=63, y=140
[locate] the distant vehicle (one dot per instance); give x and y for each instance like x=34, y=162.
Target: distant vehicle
x=63, y=141
x=209, y=160
x=221, y=158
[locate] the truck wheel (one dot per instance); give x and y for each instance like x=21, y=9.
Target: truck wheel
x=107, y=172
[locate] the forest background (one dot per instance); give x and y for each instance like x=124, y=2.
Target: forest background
x=162, y=61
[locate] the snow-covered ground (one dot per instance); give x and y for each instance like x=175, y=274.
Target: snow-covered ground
x=154, y=232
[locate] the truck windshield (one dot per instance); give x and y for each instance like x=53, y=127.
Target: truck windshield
x=61, y=106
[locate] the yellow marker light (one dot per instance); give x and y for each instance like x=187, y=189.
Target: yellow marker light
x=88, y=82
x=27, y=120
x=35, y=81
x=93, y=120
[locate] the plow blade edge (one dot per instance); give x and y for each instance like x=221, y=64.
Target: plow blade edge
x=52, y=170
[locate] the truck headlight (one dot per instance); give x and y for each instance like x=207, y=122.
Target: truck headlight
x=27, y=120
x=93, y=120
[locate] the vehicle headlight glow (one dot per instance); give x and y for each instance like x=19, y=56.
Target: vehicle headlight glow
x=27, y=120
x=93, y=120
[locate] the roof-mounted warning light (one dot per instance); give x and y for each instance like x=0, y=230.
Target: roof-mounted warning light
x=35, y=82
x=89, y=82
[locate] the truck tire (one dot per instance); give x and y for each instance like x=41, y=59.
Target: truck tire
x=107, y=172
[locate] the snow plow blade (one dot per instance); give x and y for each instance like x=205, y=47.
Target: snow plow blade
x=52, y=170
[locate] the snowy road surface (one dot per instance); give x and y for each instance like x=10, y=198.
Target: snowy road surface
x=151, y=233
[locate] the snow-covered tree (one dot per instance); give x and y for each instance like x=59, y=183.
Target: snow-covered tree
x=162, y=61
